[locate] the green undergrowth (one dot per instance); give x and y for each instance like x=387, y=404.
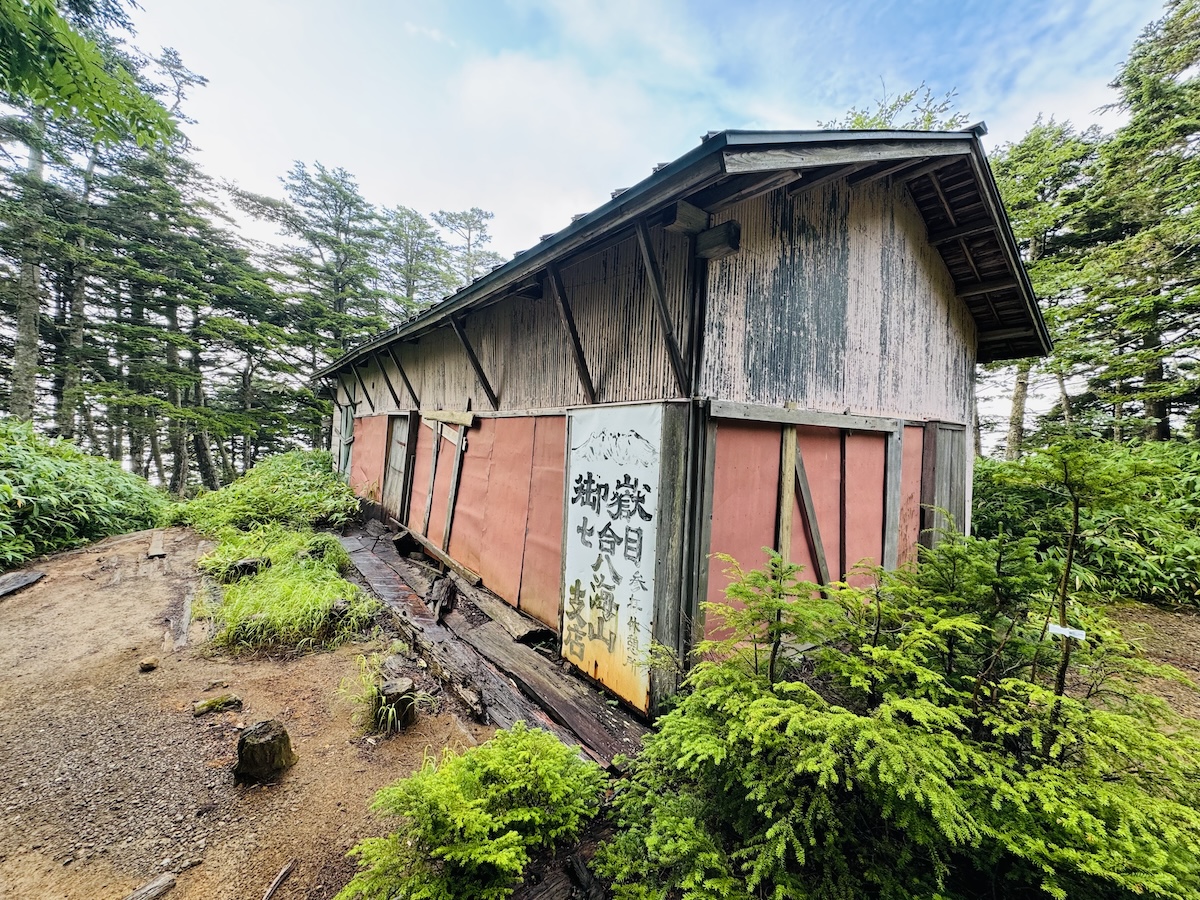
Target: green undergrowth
x=296, y=599
x=53, y=496
x=298, y=602
x=298, y=489
x=469, y=822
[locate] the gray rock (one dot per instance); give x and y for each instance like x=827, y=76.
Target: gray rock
x=216, y=704
x=147, y=663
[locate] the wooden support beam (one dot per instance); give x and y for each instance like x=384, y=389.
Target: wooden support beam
x=464, y=417
x=387, y=381
x=472, y=578
x=455, y=477
x=812, y=530
x=685, y=218
x=753, y=187
x=660, y=304
x=437, y=448
x=892, y=476
x=363, y=385
x=448, y=434
x=719, y=241
x=474, y=360
x=985, y=287
x=554, y=276
x=880, y=172
x=846, y=152
x=752, y=412
x=837, y=174
x=350, y=401
x=962, y=231
x=403, y=376
x=920, y=170
x=787, y=493
x=1006, y=334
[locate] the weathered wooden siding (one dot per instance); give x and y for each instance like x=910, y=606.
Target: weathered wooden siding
x=525, y=352
x=837, y=300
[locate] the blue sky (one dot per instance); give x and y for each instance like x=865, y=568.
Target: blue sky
x=536, y=109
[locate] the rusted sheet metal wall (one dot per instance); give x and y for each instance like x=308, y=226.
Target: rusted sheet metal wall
x=836, y=300
x=507, y=523
x=910, y=493
x=850, y=511
x=370, y=454
x=526, y=355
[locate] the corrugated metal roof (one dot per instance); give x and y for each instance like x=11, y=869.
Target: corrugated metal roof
x=1010, y=324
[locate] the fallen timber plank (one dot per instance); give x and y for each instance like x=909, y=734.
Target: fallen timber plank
x=156, y=550
x=154, y=888
x=568, y=701
x=523, y=628
x=472, y=578
x=15, y=581
x=491, y=697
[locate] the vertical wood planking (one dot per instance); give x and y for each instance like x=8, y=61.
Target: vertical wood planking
x=787, y=493
x=894, y=461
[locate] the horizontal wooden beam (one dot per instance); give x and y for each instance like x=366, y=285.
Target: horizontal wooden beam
x=921, y=170
x=806, y=157
x=752, y=188
x=753, y=412
x=453, y=416
x=837, y=174
x=985, y=287
x=472, y=578
x=948, y=235
x=684, y=218
x=882, y=171
x=719, y=241
x=1006, y=334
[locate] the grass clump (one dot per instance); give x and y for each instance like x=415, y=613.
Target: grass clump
x=298, y=489
x=298, y=602
x=470, y=821
x=53, y=496
x=371, y=711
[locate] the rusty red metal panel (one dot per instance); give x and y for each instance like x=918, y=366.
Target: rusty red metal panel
x=865, y=465
x=466, y=534
x=910, y=492
x=541, y=574
x=369, y=456
x=506, y=509
x=745, y=494
x=420, y=483
x=441, y=487
x=821, y=450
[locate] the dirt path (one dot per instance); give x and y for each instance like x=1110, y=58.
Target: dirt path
x=108, y=779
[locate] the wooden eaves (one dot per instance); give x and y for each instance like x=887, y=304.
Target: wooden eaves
x=946, y=173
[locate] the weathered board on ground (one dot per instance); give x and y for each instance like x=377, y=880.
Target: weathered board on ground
x=156, y=550
x=474, y=680
x=568, y=700
x=15, y=581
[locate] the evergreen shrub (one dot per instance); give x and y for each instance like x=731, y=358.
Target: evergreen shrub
x=53, y=496
x=470, y=821
x=910, y=740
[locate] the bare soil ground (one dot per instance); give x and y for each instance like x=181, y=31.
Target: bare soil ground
x=107, y=777
x=1170, y=637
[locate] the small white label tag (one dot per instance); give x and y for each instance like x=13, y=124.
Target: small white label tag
x=1078, y=633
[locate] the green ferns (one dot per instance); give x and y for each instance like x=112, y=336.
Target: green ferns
x=907, y=742
x=54, y=496
x=297, y=600
x=470, y=822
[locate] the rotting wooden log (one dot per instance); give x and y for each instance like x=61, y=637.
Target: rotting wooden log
x=154, y=888
x=472, y=578
x=16, y=581
x=287, y=870
x=399, y=694
x=491, y=697
x=568, y=701
x=522, y=627
x=442, y=596
x=156, y=550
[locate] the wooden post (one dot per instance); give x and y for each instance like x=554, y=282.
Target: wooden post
x=891, y=484
x=787, y=493
x=812, y=530
x=437, y=446
x=455, y=477
x=660, y=305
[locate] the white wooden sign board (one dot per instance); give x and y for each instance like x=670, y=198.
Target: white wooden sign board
x=610, y=538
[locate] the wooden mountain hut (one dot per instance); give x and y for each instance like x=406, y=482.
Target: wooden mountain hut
x=770, y=341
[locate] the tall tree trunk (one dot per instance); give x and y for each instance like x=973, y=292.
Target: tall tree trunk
x=1064, y=398
x=1016, y=417
x=177, y=432
x=72, y=389
x=201, y=440
x=29, y=283
x=1157, y=409
x=155, y=455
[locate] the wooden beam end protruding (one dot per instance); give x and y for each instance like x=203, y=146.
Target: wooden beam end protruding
x=719, y=241
x=685, y=218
